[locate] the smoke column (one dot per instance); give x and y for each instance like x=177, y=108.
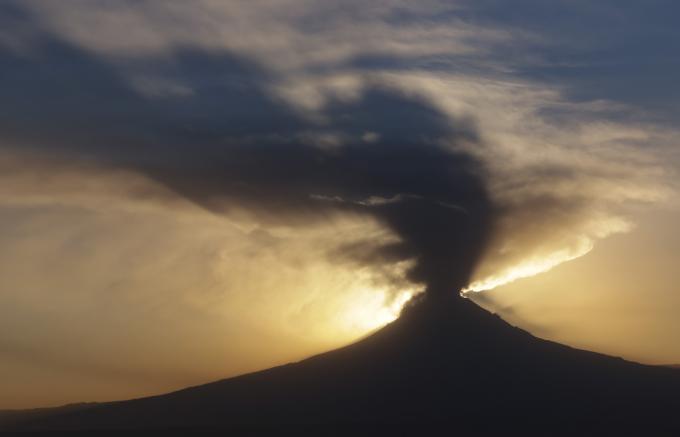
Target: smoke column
x=233, y=145
x=390, y=163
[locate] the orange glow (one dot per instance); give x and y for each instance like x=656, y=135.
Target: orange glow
x=375, y=309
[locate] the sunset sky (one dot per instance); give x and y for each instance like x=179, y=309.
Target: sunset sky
x=194, y=190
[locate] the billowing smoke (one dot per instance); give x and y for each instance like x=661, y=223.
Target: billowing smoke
x=389, y=163
x=383, y=153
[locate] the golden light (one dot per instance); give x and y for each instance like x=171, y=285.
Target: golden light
x=374, y=309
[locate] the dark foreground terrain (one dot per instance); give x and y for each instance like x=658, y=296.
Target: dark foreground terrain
x=446, y=364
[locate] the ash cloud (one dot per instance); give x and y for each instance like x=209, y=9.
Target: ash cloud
x=435, y=200
x=232, y=145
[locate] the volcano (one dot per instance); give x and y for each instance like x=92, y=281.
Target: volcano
x=444, y=364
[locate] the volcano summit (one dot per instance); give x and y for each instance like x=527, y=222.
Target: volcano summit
x=444, y=364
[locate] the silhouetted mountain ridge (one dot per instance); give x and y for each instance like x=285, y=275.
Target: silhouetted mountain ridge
x=444, y=363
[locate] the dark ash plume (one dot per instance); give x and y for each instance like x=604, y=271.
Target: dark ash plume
x=431, y=197
x=230, y=143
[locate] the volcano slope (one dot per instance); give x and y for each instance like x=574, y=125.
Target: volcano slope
x=444, y=364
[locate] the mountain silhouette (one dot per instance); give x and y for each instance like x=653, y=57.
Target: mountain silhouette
x=445, y=364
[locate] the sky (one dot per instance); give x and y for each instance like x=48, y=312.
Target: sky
x=195, y=190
